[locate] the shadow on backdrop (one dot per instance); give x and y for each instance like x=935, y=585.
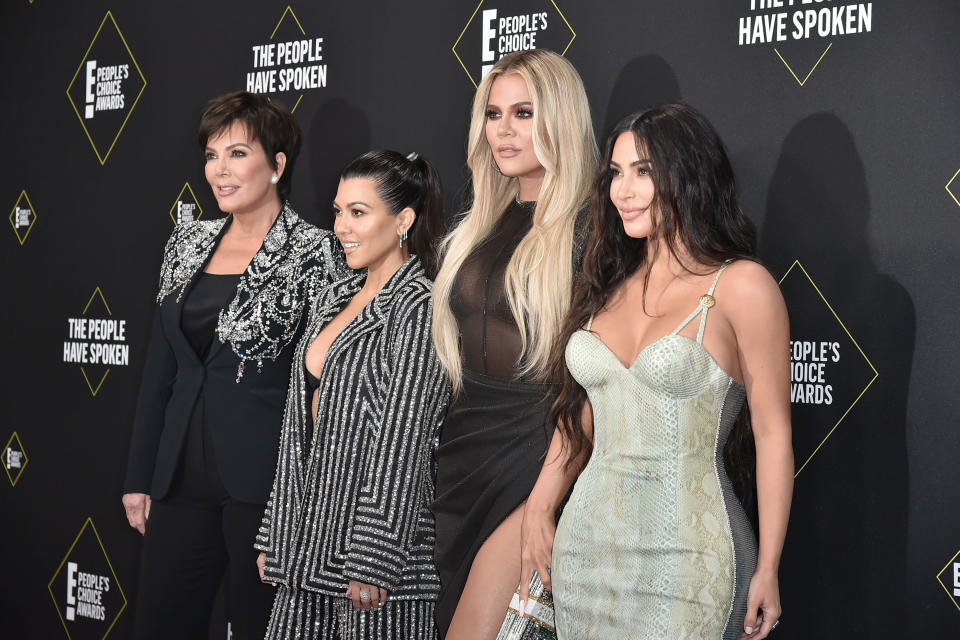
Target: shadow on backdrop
x=844, y=565
x=339, y=132
x=646, y=81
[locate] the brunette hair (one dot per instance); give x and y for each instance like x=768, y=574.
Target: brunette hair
x=699, y=214
x=407, y=181
x=267, y=122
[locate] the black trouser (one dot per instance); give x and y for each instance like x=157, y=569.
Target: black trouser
x=194, y=537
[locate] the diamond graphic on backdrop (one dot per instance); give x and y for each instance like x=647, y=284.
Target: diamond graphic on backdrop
x=497, y=28
x=106, y=87
x=186, y=208
x=96, y=341
x=85, y=589
x=952, y=194
x=809, y=73
x=290, y=64
x=14, y=458
x=949, y=579
x=829, y=372
x=23, y=217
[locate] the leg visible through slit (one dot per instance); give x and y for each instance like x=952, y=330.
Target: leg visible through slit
x=493, y=578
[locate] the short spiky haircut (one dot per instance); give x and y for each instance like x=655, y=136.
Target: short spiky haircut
x=269, y=123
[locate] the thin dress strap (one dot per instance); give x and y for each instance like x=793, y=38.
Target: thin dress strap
x=706, y=301
x=590, y=322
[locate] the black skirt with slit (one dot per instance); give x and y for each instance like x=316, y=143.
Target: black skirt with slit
x=492, y=446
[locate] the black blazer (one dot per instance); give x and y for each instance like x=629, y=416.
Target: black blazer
x=245, y=376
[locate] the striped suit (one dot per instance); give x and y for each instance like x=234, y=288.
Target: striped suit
x=350, y=498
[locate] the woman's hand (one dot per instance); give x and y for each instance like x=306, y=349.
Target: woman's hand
x=366, y=597
x=261, y=565
x=137, y=506
x=764, y=596
x=536, y=548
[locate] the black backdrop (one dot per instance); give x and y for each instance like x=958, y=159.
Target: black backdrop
x=845, y=146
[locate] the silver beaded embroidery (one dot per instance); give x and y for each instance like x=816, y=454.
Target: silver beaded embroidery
x=295, y=261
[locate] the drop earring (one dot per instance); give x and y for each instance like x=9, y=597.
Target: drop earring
x=403, y=238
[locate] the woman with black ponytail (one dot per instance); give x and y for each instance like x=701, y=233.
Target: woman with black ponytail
x=674, y=326
x=347, y=535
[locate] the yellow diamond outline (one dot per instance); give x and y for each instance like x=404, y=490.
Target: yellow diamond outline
x=23, y=194
x=26, y=458
x=116, y=581
x=103, y=159
x=947, y=187
x=186, y=187
x=275, y=29
x=474, y=15
x=812, y=69
x=93, y=391
x=796, y=263
x=953, y=598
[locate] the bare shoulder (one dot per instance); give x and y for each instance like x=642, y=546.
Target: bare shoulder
x=747, y=285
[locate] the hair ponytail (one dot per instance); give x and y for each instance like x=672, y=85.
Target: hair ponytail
x=407, y=181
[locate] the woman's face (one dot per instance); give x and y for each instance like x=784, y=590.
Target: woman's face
x=238, y=171
x=631, y=187
x=369, y=233
x=509, y=128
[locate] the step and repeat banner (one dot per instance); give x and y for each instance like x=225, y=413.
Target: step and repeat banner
x=841, y=118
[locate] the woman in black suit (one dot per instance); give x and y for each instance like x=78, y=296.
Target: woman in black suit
x=204, y=444
x=348, y=534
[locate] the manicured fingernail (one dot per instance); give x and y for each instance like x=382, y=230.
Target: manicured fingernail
x=523, y=606
x=749, y=630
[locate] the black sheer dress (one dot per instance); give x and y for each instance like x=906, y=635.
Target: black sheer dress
x=495, y=436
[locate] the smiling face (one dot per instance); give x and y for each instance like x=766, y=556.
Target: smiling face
x=509, y=128
x=239, y=172
x=369, y=233
x=632, y=190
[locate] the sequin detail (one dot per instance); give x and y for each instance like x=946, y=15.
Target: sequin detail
x=350, y=498
x=295, y=261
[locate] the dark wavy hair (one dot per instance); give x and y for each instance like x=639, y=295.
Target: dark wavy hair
x=407, y=181
x=267, y=122
x=699, y=216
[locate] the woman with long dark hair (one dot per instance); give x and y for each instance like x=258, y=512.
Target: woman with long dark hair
x=348, y=535
x=674, y=325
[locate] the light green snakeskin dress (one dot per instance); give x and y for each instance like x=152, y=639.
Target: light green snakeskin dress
x=653, y=544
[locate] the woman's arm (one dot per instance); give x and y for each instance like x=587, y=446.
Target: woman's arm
x=398, y=464
x=539, y=514
x=760, y=322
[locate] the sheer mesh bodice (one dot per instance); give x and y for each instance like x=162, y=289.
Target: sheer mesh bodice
x=489, y=334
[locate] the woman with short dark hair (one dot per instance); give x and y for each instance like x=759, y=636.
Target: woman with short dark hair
x=204, y=443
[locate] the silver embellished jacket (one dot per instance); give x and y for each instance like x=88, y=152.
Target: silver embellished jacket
x=350, y=498
x=241, y=412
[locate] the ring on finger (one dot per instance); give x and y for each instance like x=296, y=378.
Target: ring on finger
x=775, y=624
x=364, y=595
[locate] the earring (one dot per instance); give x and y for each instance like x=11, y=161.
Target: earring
x=273, y=179
x=403, y=238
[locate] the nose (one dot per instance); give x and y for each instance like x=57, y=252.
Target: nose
x=341, y=225
x=221, y=166
x=504, y=127
x=623, y=189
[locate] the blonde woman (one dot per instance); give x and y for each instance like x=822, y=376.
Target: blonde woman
x=499, y=300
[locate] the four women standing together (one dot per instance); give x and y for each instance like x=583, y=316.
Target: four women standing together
x=382, y=524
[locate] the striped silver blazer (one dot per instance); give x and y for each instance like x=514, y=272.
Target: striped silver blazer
x=350, y=498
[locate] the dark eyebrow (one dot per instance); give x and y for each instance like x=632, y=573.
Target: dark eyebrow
x=235, y=144
x=634, y=163
x=352, y=204
x=525, y=103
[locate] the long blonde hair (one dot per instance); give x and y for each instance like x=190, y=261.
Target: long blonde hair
x=539, y=276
